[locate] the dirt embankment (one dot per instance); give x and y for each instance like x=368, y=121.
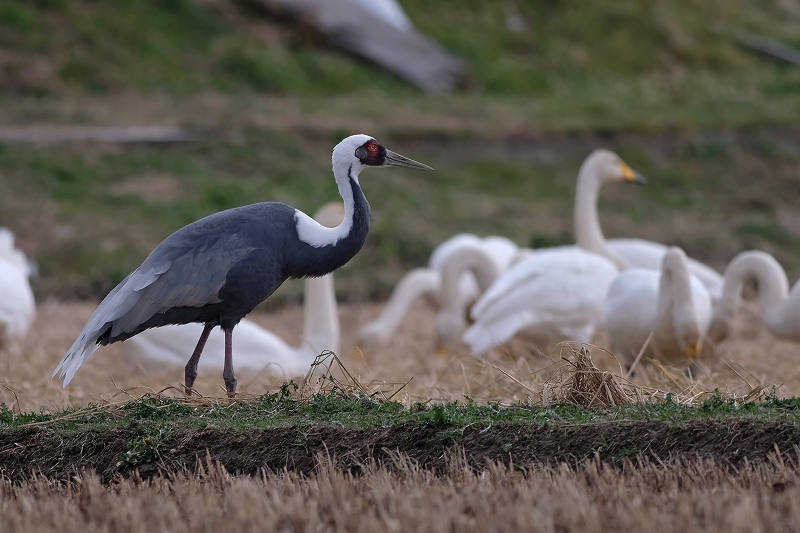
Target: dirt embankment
x=123, y=450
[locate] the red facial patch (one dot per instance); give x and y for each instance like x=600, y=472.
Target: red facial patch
x=372, y=147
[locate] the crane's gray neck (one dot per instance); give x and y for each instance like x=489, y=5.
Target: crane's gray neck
x=320, y=250
x=588, y=233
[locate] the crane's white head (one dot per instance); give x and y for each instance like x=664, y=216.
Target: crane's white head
x=608, y=166
x=357, y=152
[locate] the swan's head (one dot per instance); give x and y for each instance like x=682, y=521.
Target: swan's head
x=357, y=152
x=608, y=166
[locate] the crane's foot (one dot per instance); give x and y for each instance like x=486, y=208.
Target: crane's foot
x=190, y=370
x=190, y=374
x=230, y=384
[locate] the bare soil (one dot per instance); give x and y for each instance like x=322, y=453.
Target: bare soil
x=56, y=455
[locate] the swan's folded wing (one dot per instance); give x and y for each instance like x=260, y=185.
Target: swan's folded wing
x=557, y=302
x=648, y=254
x=504, y=286
x=528, y=270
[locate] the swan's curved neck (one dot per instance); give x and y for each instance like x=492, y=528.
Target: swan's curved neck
x=321, y=330
x=676, y=309
x=587, y=223
x=773, y=288
x=466, y=258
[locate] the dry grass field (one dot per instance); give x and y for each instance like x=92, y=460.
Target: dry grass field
x=518, y=372
x=667, y=85
x=751, y=358
x=645, y=496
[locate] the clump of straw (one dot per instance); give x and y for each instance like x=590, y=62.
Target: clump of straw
x=580, y=382
x=329, y=376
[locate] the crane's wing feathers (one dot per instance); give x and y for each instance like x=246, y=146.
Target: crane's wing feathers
x=187, y=269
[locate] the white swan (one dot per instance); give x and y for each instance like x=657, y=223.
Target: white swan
x=472, y=262
x=624, y=252
x=778, y=307
x=17, y=305
x=255, y=347
x=557, y=293
x=552, y=295
x=427, y=282
x=671, y=303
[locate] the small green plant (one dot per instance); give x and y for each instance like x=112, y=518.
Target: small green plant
x=6, y=415
x=301, y=439
x=450, y=435
x=141, y=450
x=437, y=415
x=158, y=409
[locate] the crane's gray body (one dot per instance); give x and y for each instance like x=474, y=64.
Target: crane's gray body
x=219, y=268
x=216, y=270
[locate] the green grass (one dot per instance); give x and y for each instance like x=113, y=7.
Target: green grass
x=707, y=193
x=280, y=409
x=677, y=97
x=180, y=45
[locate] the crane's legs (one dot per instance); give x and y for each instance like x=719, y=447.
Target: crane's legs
x=190, y=371
x=227, y=373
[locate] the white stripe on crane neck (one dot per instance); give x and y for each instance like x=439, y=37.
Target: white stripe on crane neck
x=315, y=234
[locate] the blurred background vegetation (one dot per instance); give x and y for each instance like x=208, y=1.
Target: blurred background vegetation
x=666, y=84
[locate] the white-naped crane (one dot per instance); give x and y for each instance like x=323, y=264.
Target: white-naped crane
x=256, y=349
x=216, y=270
x=17, y=304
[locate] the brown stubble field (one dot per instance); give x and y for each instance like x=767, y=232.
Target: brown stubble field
x=518, y=372
x=647, y=494
x=689, y=496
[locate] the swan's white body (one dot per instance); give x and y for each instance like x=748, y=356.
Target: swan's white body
x=624, y=252
x=557, y=293
x=648, y=254
x=17, y=305
x=552, y=295
x=778, y=307
x=427, y=282
x=255, y=347
x=670, y=303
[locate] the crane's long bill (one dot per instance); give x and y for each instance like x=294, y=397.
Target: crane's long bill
x=397, y=160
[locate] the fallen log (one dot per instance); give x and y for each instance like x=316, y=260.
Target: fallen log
x=53, y=134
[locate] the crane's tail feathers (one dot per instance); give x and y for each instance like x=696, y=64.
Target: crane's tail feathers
x=118, y=302
x=74, y=359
